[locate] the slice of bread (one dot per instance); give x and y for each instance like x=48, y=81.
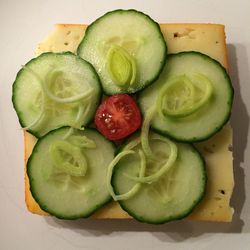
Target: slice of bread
x=205, y=38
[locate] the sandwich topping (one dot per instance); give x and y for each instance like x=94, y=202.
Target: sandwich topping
x=97, y=142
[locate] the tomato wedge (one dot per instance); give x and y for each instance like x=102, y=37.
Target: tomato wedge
x=117, y=117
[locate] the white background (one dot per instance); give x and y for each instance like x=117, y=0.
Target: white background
x=22, y=25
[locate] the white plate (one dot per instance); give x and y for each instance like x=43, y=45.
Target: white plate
x=23, y=24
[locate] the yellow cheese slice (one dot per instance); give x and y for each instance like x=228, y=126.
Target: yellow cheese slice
x=205, y=38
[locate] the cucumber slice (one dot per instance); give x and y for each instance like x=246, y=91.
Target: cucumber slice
x=55, y=90
x=127, y=49
x=174, y=195
x=194, y=97
x=56, y=180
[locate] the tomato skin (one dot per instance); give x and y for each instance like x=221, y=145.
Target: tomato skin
x=117, y=117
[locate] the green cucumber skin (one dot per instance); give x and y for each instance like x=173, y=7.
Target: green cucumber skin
x=230, y=103
x=157, y=26
x=31, y=181
x=172, y=218
x=99, y=97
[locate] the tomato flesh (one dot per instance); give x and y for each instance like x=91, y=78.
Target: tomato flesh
x=117, y=117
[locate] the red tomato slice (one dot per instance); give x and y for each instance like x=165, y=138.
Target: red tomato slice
x=117, y=117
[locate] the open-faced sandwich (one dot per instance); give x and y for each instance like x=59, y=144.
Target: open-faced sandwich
x=127, y=118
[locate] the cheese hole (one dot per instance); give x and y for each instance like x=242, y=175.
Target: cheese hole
x=68, y=33
x=186, y=33
x=66, y=43
x=222, y=191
